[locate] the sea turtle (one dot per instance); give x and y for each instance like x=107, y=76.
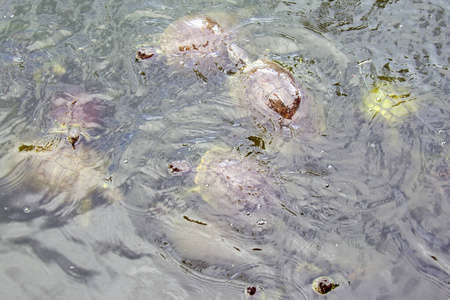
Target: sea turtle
x=194, y=43
x=274, y=98
x=62, y=165
x=390, y=101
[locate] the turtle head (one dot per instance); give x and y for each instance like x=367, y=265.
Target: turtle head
x=179, y=167
x=73, y=135
x=147, y=52
x=254, y=293
x=238, y=56
x=323, y=285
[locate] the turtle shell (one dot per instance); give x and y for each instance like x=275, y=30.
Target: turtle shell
x=63, y=173
x=274, y=98
x=60, y=167
x=54, y=165
x=271, y=90
x=389, y=100
x=78, y=108
x=193, y=36
x=56, y=179
x=195, y=43
x=234, y=184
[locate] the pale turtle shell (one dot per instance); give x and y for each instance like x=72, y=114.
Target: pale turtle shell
x=234, y=184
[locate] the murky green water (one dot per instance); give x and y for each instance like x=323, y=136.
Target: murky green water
x=362, y=197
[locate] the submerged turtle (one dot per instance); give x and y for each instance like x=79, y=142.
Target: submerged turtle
x=194, y=43
x=274, y=98
x=66, y=176
x=233, y=184
x=57, y=166
x=61, y=168
x=245, y=190
x=241, y=196
x=390, y=101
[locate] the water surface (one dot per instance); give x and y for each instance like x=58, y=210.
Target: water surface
x=363, y=199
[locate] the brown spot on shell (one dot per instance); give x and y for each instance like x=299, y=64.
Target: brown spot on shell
x=193, y=34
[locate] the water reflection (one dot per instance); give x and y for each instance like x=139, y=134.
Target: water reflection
x=364, y=202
